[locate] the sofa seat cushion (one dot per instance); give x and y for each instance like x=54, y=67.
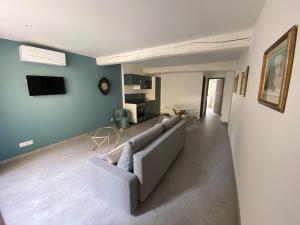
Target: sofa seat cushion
x=167, y=124
x=144, y=138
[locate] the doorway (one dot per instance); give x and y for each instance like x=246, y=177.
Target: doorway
x=212, y=96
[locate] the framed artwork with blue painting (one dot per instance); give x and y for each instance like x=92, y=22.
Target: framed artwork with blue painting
x=276, y=71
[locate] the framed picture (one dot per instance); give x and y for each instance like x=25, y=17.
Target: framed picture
x=276, y=71
x=235, y=83
x=244, y=80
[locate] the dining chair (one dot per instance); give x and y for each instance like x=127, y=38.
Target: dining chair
x=192, y=115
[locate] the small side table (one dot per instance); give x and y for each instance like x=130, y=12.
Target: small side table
x=104, y=137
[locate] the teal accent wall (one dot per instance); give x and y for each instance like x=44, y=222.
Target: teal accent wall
x=53, y=118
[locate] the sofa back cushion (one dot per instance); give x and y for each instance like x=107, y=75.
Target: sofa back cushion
x=144, y=138
x=167, y=124
x=136, y=144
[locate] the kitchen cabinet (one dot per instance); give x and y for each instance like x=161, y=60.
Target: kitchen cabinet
x=147, y=82
x=134, y=79
x=131, y=79
x=158, y=89
x=156, y=107
x=148, y=108
x=157, y=95
x=152, y=108
x=127, y=79
x=142, y=80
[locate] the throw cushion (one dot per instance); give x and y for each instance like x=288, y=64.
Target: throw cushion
x=170, y=122
x=144, y=138
x=102, y=156
x=126, y=160
x=114, y=156
x=164, y=119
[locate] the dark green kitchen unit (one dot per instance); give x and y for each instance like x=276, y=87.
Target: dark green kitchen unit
x=158, y=89
x=147, y=82
x=134, y=79
x=152, y=107
x=142, y=81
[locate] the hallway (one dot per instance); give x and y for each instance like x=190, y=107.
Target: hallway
x=51, y=187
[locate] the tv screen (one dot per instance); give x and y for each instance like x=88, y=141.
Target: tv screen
x=42, y=85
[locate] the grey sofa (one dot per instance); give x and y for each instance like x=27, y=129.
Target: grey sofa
x=123, y=190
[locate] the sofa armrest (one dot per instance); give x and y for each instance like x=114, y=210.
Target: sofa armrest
x=117, y=187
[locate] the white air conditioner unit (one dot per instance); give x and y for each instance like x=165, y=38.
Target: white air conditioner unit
x=39, y=55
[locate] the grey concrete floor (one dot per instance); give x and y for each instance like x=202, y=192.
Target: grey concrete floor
x=51, y=186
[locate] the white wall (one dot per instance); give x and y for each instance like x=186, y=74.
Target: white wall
x=227, y=93
x=266, y=143
x=181, y=88
x=133, y=68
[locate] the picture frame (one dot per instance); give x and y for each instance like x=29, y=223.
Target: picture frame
x=276, y=71
x=244, y=80
x=235, y=83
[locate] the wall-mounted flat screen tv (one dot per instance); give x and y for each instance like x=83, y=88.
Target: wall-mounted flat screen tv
x=43, y=85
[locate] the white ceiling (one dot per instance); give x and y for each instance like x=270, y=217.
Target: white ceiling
x=104, y=27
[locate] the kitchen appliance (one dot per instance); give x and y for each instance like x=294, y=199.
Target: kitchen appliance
x=137, y=110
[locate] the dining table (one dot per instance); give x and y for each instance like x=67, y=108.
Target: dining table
x=181, y=109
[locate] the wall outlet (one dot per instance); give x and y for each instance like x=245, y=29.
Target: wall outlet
x=26, y=143
x=112, y=120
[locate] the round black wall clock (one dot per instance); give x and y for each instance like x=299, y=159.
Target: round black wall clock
x=104, y=85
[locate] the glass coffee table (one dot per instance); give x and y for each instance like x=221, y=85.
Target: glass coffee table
x=106, y=139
